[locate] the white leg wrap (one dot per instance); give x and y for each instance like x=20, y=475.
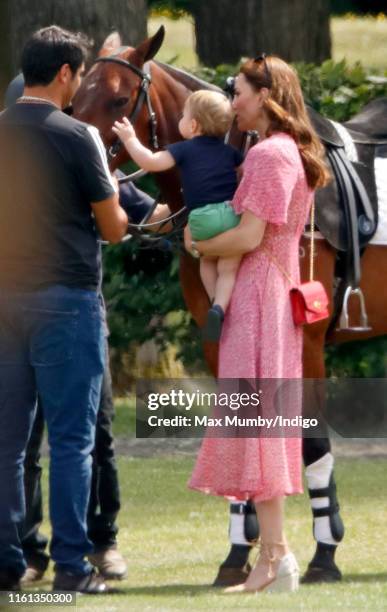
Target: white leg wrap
x=318, y=475
x=237, y=527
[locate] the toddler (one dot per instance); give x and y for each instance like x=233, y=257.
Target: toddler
x=208, y=170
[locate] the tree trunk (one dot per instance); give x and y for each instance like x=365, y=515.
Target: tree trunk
x=96, y=18
x=221, y=30
x=5, y=48
x=296, y=31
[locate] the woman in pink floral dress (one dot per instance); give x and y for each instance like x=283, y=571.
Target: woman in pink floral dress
x=259, y=339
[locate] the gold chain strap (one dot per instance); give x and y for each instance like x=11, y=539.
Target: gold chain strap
x=311, y=254
x=279, y=266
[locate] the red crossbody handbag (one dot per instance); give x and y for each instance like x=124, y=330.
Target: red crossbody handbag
x=309, y=301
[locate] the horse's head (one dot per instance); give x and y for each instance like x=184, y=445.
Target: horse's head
x=110, y=89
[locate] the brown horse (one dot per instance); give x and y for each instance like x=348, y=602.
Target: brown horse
x=109, y=91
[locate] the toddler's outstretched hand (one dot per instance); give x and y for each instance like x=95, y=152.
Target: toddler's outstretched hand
x=124, y=130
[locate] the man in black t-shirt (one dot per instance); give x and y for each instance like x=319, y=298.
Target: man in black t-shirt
x=56, y=191
x=104, y=504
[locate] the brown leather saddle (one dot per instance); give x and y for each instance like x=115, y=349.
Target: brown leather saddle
x=347, y=209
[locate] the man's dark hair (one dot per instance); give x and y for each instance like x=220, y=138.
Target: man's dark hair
x=46, y=52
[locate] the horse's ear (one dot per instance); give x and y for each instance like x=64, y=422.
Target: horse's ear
x=110, y=44
x=149, y=47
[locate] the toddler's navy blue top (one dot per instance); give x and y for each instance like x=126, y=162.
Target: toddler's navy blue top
x=208, y=169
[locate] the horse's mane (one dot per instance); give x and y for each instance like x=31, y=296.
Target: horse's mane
x=185, y=78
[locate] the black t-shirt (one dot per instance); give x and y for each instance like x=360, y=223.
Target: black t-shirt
x=208, y=169
x=51, y=168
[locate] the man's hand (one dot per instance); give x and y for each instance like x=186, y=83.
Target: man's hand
x=111, y=219
x=161, y=213
x=124, y=130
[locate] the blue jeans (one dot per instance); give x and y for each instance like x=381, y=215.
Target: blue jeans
x=51, y=343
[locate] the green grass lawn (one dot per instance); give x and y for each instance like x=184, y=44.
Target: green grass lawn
x=356, y=39
x=125, y=416
x=360, y=39
x=174, y=540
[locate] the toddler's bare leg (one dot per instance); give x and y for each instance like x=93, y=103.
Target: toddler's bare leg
x=209, y=275
x=227, y=268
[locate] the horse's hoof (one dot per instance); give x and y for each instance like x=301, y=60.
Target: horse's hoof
x=230, y=576
x=314, y=575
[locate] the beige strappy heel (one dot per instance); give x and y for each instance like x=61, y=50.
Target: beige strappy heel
x=284, y=580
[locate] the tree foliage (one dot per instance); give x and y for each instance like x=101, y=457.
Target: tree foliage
x=171, y=8
x=362, y=7
x=337, y=7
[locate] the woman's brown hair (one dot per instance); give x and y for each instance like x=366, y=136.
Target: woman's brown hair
x=286, y=111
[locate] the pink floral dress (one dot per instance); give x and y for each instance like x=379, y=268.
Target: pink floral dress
x=259, y=338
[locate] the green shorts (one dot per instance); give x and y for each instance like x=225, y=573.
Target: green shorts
x=211, y=220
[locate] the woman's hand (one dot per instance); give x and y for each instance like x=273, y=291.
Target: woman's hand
x=190, y=246
x=124, y=130
x=243, y=238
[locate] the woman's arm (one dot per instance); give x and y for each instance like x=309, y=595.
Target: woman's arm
x=242, y=239
x=145, y=158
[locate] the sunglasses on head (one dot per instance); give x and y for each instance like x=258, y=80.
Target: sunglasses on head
x=262, y=58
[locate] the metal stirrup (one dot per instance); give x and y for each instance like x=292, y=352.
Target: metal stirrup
x=344, y=317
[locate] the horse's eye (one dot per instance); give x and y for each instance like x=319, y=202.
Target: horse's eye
x=120, y=102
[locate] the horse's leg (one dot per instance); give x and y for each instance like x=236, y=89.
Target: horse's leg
x=243, y=533
x=243, y=520
x=197, y=302
x=328, y=529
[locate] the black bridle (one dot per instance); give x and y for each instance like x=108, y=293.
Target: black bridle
x=179, y=218
x=142, y=97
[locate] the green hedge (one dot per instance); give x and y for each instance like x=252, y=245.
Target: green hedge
x=144, y=299
x=177, y=8
x=173, y=9
x=335, y=90
x=142, y=288
x=358, y=7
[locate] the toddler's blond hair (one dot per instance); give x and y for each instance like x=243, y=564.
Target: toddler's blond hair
x=212, y=110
